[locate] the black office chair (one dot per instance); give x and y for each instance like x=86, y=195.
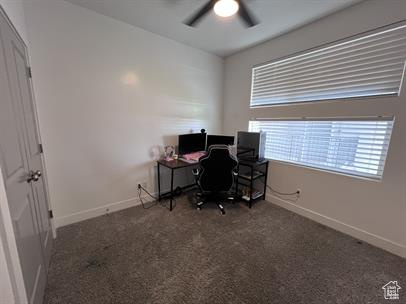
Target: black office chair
x=215, y=176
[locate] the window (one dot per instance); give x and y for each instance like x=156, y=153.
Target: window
x=352, y=146
x=372, y=64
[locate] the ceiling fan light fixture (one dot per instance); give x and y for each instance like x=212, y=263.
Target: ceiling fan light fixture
x=226, y=8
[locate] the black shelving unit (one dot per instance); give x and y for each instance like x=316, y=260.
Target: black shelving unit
x=251, y=172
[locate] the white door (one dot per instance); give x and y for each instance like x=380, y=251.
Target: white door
x=21, y=162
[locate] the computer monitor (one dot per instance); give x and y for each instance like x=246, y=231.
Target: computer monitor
x=189, y=143
x=219, y=140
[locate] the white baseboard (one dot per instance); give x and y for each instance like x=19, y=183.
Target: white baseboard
x=98, y=211
x=94, y=212
x=363, y=235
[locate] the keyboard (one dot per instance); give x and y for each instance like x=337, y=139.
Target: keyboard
x=192, y=157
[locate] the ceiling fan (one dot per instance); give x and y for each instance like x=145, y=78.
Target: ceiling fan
x=223, y=8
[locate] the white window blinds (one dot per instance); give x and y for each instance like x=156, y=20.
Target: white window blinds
x=371, y=64
x=357, y=146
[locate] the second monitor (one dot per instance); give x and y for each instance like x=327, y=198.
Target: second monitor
x=190, y=143
x=219, y=140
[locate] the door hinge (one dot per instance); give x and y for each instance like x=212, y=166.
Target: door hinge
x=51, y=214
x=29, y=73
x=41, y=149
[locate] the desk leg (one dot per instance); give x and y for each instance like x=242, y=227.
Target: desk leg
x=251, y=186
x=170, y=203
x=159, y=183
x=266, y=180
x=236, y=181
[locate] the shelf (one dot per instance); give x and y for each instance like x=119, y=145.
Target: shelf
x=256, y=195
x=248, y=177
x=252, y=163
x=245, y=183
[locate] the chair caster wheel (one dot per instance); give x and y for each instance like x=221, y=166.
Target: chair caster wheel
x=221, y=209
x=199, y=205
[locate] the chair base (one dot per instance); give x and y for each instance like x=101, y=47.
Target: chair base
x=202, y=199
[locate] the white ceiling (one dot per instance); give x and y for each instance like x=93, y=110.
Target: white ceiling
x=221, y=36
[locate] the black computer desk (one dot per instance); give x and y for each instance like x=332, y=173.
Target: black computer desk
x=178, y=164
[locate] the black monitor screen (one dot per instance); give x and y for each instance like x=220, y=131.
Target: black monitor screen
x=189, y=143
x=219, y=140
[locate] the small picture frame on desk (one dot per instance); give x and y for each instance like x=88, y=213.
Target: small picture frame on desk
x=169, y=153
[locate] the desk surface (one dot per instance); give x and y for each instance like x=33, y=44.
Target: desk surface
x=176, y=163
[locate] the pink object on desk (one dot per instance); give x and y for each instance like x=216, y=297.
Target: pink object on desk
x=193, y=156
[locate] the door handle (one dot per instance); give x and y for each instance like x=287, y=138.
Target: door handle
x=33, y=176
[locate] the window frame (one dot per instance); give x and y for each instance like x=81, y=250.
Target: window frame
x=331, y=43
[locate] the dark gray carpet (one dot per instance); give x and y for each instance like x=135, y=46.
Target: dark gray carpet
x=263, y=255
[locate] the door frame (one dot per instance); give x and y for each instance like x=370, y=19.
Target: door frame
x=7, y=236
x=9, y=243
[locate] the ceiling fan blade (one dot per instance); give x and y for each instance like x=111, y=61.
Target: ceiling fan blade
x=246, y=15
x=200, y=13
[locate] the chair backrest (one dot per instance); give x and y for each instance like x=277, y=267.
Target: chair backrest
x=217, y=169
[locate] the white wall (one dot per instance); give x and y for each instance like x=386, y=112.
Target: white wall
x=373, y=211
x=108, y=94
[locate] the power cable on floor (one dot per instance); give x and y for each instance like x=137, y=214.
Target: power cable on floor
x=282, y=193
x=156, y=200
